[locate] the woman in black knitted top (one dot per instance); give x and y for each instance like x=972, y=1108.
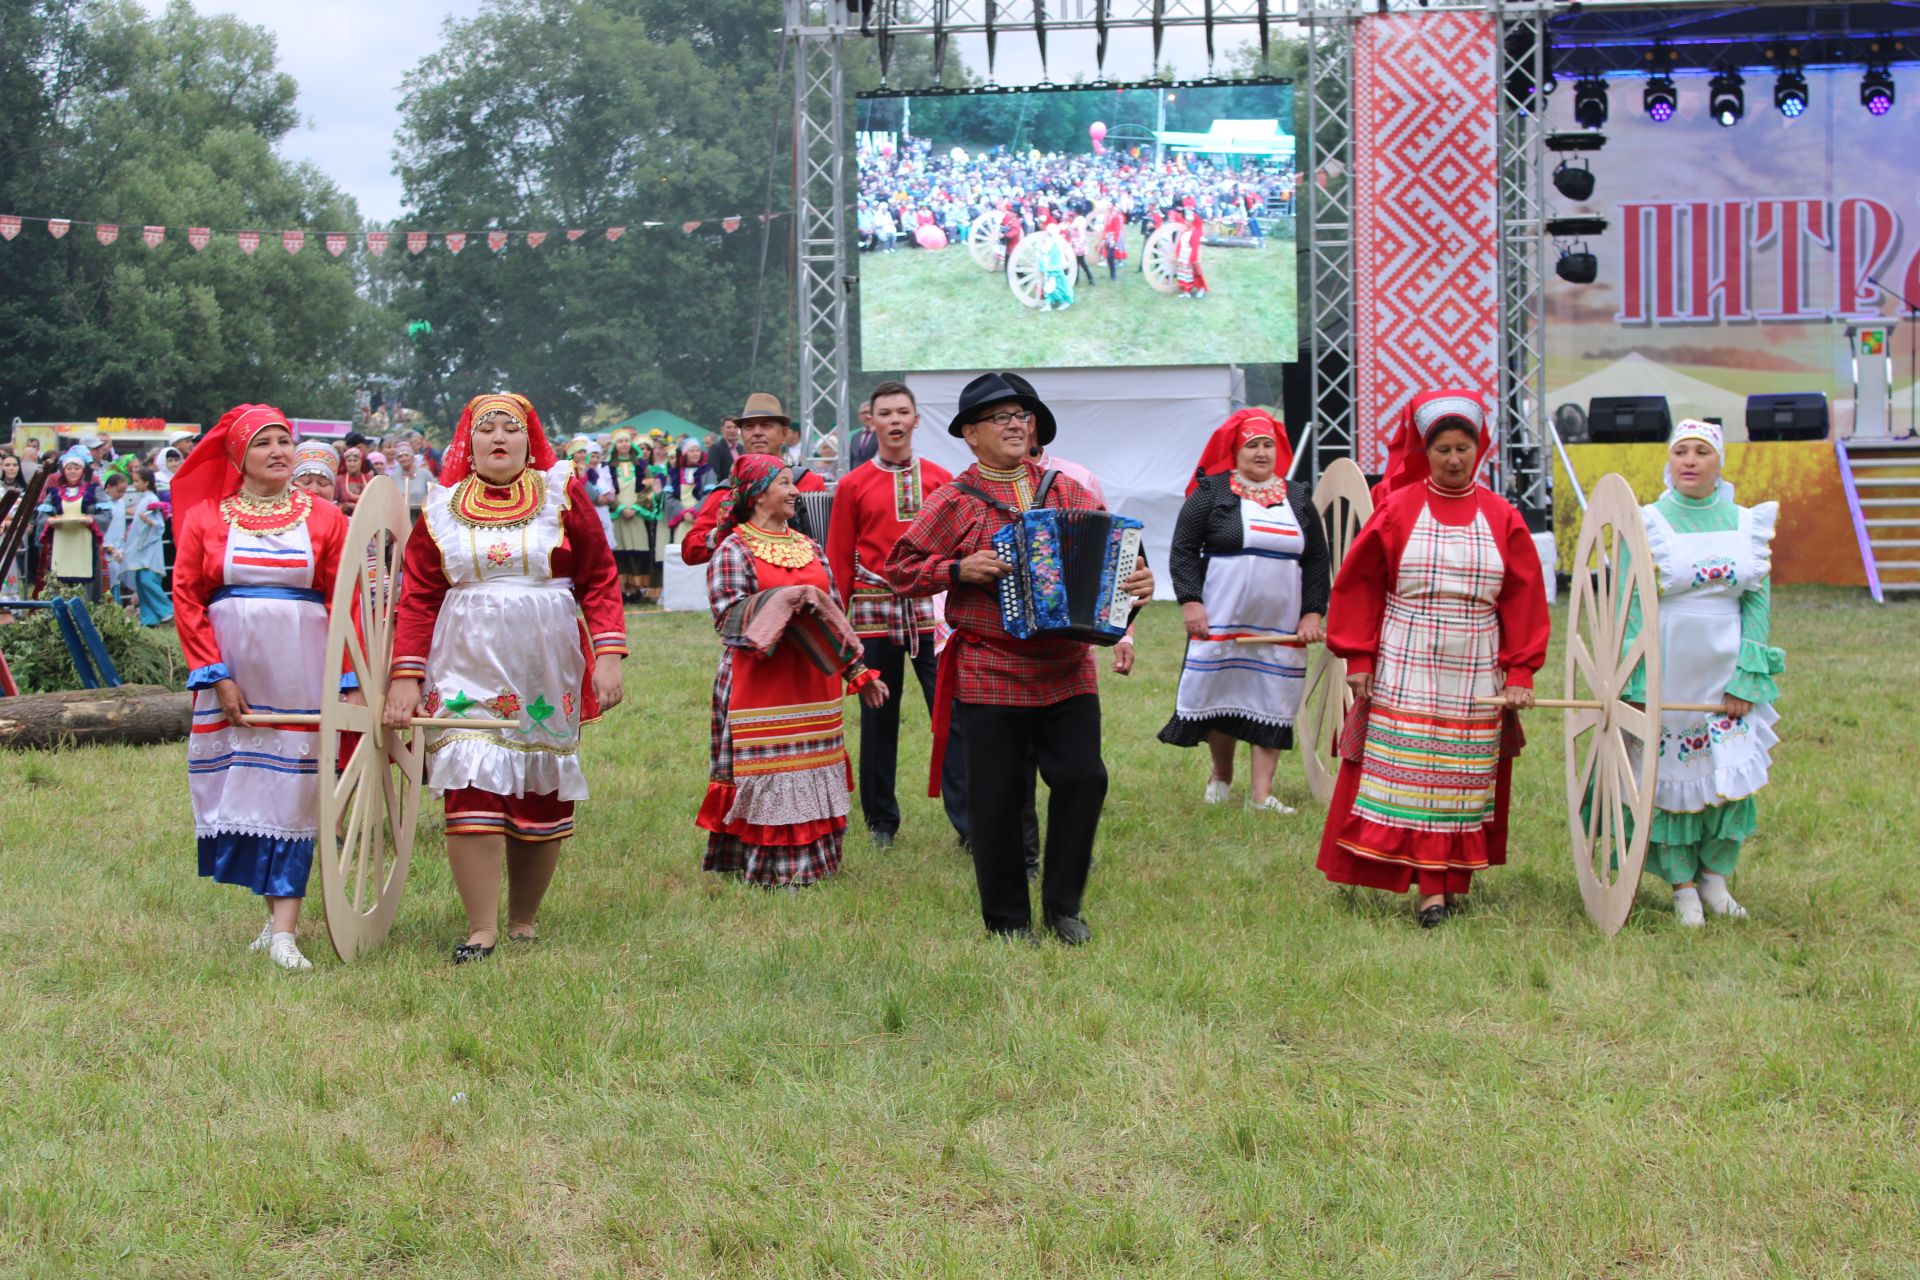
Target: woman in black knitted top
x=1249, y=559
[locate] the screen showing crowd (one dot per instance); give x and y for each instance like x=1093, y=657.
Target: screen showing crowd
x=1061, y=228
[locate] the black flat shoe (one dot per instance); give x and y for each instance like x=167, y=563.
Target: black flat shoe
x=881, y=839
x=468, y=952
x=1434, y=916
x=1071, y=930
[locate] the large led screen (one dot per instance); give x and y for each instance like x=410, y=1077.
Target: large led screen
x=1060, y=228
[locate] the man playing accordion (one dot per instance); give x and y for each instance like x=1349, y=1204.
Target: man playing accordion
x=1012, y=697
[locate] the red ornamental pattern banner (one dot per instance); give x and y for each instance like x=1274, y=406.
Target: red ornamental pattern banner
x=1425, y=227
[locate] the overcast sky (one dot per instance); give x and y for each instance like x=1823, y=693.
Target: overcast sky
x=349, y=56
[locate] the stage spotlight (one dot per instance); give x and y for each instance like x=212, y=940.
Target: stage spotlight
x=1660, y=99
x=1574, y=184
x=1790, y=93
x=1876, y=90
x=1590, y=103
x=1577, y=264
x=1727, y=99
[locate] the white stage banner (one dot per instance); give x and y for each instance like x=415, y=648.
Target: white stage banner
x=1139, y=430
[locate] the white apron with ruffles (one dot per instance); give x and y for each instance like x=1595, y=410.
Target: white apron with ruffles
x=1708, y=759
x=271, y=628
x=1253, y=593
x=506, y=646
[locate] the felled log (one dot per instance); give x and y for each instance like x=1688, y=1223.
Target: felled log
x=133, y=714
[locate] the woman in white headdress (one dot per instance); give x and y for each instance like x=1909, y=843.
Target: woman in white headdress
x=1712, y=558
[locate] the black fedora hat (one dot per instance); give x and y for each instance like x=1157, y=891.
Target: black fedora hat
x=993, y=388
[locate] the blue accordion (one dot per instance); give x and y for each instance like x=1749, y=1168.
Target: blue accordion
x=1068, y=567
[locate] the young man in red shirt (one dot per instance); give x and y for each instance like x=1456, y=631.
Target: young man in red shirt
x=1011, y=697
x=763, y=429
x=876, y=503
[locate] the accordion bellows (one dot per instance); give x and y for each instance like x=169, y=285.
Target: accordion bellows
x=1068, y=567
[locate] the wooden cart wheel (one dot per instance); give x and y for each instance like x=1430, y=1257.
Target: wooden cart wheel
x=369, y=805
x=1159, y=258
x=983, y=241
x=1024, y=276
x=1344, y=503
x=1613, y=751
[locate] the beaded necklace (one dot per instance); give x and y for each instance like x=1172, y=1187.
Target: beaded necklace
x=1268, y=493
x=784, y=550
x=480, y=505
x=276, y=514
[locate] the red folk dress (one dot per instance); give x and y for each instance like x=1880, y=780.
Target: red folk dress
x=1440, y=596
x=779, y=789
x=488, y=623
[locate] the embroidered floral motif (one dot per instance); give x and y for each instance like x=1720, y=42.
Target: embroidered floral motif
x=506, y=706
x=432, y=702
x=1715, y=570
x=566, y=705
x=498, y=554
x=1690, y=743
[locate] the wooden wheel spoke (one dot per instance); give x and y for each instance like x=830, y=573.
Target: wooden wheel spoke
x=1631, y=719
x=354, y=718
x=1582, y=660
x=356, y=819
x=350, y=773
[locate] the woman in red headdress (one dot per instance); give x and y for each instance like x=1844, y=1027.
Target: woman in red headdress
x=1192, y=281
x=507, y=554
x=778, y=795
x=252, y=580
x=1439, y=603
x=1249, y=559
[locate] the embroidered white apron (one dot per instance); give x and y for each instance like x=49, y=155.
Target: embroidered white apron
x=1253, y=593
x=1708, y=759
x=272, y=630
x=506, y=646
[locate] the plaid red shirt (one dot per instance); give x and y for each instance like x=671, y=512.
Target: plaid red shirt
x=952, y=526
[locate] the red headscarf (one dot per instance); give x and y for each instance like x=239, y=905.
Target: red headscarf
x=458, y=463
x=212, y=470
x=1224, y=445
x=1426, y=412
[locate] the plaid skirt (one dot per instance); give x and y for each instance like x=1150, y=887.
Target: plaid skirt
x=774, y=865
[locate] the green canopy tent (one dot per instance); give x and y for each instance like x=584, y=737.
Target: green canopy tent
x=661, y=420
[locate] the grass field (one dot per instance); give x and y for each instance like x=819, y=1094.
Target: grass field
x=937, y=310
x=1248, y=1073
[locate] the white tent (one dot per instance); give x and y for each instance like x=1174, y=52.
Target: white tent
x=1636, y=375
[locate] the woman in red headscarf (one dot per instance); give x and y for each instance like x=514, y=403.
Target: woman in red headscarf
x=507, y=548
x=777, y=799
x=1249, y=560
x=1187, y=274
x=1439, y=603
x=252, y=581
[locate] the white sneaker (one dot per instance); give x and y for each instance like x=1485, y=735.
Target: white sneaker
x=1686, y=908
x=1713, y=892
x=1217, y=791
x=285, y=952
x=1271, y=805
x=265, y=939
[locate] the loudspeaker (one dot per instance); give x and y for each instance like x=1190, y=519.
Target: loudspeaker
x=1799, y=416
x=1628, y=420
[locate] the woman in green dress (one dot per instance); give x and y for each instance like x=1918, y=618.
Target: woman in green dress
x=1711, y=558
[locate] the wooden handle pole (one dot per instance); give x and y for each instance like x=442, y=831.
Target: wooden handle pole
x=418, y=722
x=1266, y=639
x=1588, y=704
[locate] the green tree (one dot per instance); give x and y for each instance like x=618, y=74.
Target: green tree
x=116, y=116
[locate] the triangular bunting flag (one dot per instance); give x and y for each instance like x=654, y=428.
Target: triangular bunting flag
x=293, y=241
x=249, y=241
x=575, y=235
x=106, y=233
x=9, y=226
x=456, y=241
x=377, y=243
x=614, y=233
x=730, y=225
x=534, y=238
x=416, y=241
x=57, y=227
x=153, y=235
x=336, y=243
x=496, y=240
x=199, y=237
x=689, y=227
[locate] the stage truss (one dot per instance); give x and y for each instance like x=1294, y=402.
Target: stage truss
x=821, y=29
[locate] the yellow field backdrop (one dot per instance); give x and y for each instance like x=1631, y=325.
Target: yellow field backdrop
x=1815, y=542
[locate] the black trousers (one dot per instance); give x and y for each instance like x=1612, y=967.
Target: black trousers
x=880, y=740
x=1065, y=741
